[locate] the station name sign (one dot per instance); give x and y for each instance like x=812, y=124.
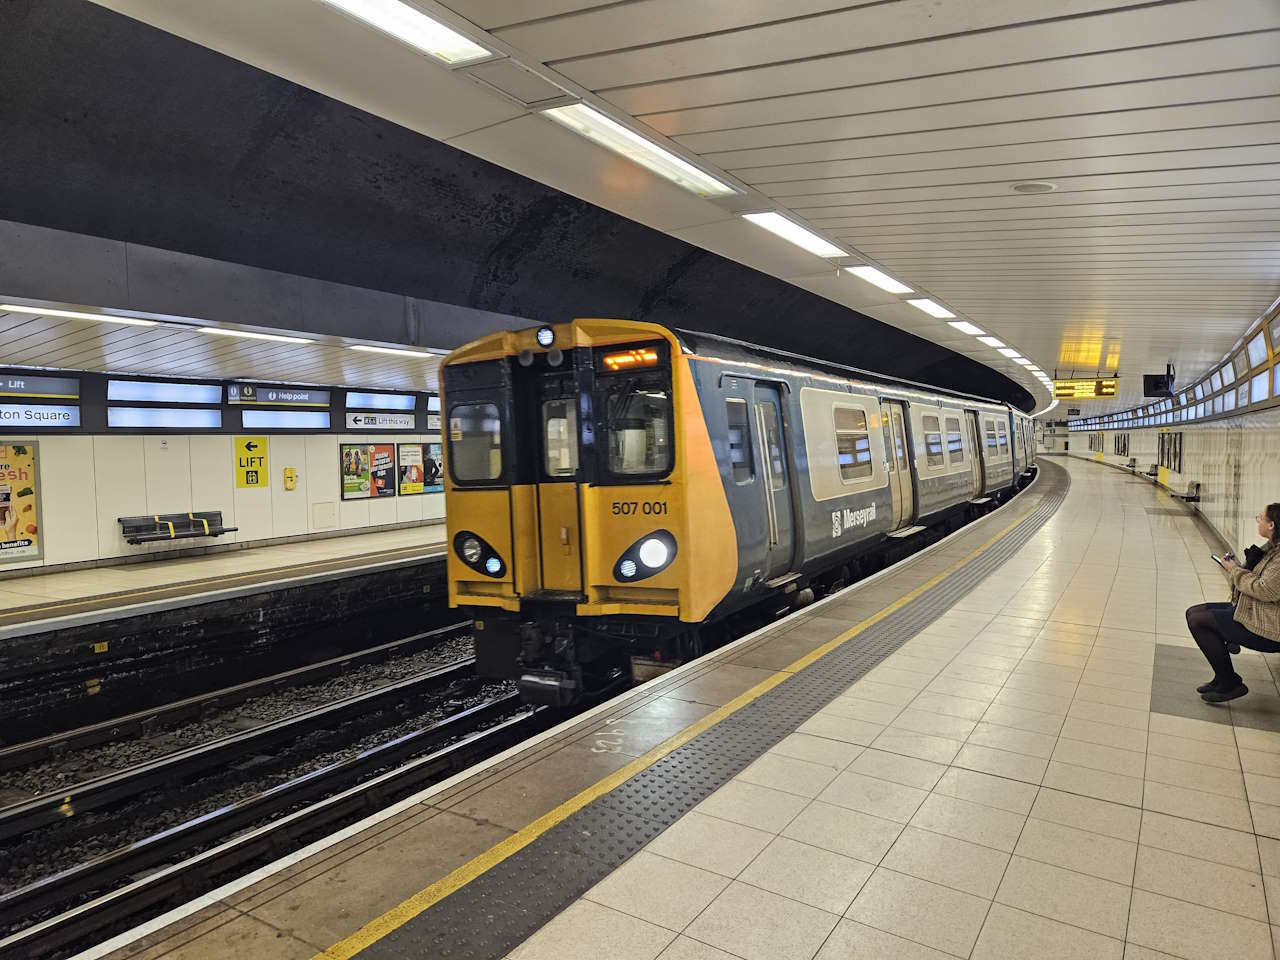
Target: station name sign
x=43, y=388
x=266, y=395
x=380, y=421
x=28, y=416
x=1084, y=389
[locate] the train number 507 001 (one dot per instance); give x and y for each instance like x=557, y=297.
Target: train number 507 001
x=645, y=508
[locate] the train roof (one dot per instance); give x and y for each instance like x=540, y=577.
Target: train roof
x=726, y=348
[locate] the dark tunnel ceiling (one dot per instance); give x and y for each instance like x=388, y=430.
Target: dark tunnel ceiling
x=119, y=130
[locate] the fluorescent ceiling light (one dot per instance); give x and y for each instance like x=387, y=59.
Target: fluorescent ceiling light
x=1036, y=370
x=1009, y=352
x=881, y=280
x=792, y=232
x=931, y=308
x=1022, y=360
x=394, y=351
x=964, y=326
x=410, y=25
x=250, y=335
x=598, y=128
x=76, y=315
x=991, y=341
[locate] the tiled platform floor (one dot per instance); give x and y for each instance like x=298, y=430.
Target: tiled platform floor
x=42, y=588
x=1031, y=776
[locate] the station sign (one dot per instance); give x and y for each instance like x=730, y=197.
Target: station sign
x=1094, y=389
x=29, y=416
x=251, y=462
x=433, y=422
x=42, y=388
x=380, y=421
x=268, y=395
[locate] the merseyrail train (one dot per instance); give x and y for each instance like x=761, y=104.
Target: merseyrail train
x=612, y=487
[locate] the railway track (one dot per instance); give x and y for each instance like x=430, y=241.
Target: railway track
x=73, y=903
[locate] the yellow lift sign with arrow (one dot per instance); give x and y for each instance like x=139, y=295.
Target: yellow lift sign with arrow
x=251, y=462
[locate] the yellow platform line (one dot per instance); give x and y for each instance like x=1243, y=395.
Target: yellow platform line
x=405, y=911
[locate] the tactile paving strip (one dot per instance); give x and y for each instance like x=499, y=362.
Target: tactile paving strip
x=493, y=914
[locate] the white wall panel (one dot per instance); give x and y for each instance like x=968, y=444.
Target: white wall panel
x=290, y=509
x=213, y=482
x=119, y=491
x=69, y=532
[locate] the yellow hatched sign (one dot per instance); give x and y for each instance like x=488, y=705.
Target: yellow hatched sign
x=251, y=462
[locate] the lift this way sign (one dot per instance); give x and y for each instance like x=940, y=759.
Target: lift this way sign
x=251, y=462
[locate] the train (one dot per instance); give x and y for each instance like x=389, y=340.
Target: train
x=614, y=487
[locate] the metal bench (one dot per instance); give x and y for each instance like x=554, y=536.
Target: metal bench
x=173, y=526
x=1133, y=464
x=1191, y=496
x=1152, y=471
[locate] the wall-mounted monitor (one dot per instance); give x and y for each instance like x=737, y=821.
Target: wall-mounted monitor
x=285, y=419
x=163, y=418
x=155, y=391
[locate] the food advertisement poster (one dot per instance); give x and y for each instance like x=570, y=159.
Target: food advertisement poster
x=368, y=470
x=19, y=503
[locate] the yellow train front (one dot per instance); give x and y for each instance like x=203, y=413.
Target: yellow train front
x=579, y=475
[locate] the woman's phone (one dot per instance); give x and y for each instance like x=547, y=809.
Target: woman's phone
x=1218, y=559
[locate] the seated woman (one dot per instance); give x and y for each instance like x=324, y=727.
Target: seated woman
x=1251, y=619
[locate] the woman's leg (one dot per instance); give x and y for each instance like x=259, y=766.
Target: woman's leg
x=1204, y=622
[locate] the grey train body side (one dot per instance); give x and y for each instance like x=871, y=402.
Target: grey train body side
x=820, y=464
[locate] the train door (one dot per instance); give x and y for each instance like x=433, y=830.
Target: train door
x=559, y=520
x=898, y=463
x=775, y=480
x=977, y=466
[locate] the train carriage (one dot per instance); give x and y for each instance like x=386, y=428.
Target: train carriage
x=612, y=487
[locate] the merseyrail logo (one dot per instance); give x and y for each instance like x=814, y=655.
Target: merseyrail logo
x=842, y=520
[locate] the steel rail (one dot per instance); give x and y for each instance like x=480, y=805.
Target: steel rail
x=133, y=724
x=58, y=805
x=181, y=881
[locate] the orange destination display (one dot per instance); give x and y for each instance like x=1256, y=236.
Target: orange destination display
x=1094, y=389
x=629, y=359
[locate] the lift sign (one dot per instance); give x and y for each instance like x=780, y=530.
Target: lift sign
x=251, y=462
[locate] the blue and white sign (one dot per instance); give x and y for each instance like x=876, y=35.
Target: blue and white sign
x=27, y=416
x=380, y=421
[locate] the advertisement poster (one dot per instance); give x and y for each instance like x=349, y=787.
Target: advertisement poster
x=411, y=475
x=434, y=465
x=368, y=470
x=420, y=468
x=19, y=503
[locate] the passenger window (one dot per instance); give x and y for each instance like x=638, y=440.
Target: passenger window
x=560, y=437
x=739, y=441
x=772, y=445
x=900, y=440
x=1003, y=435
x=932, y=442
x=955, y=442
x=637, y=420
x=475, y=442
x=991, y=436
x=853, y=443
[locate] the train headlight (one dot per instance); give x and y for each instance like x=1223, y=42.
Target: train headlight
x=471, y=550
x=650, y=554
x=478, y=555
x=546, y=336
x=654, y=553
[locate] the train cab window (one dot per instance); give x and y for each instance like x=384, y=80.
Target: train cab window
x=933, y=442
x=637, y=416
x=1003, y=435
x=739, y=440
x=853, y=443
x=475, y=442
x=955, y=441
x=560, y=437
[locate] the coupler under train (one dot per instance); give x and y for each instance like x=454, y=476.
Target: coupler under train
x=554, y=658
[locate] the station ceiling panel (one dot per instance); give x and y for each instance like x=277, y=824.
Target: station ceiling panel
x=1094, y=182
